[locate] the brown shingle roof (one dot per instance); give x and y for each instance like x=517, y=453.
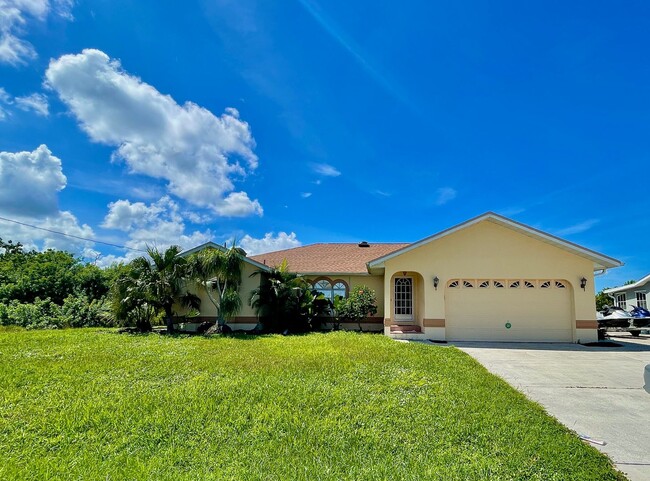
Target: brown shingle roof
x=328, y=258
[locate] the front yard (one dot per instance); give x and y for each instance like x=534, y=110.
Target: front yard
x=91, y=404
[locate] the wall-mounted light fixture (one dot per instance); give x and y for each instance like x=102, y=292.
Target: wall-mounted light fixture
x=435, y=282
x=583, y=283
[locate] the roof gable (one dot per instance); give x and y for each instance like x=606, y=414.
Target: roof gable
x=214, y=245
x=645, y=280
x=600, y=261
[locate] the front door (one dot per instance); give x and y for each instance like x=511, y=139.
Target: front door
x=403, y=299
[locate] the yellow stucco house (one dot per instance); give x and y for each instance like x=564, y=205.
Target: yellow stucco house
x=490, y=278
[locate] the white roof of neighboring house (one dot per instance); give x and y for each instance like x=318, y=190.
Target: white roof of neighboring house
x=600, y=261
x=628, y=287
x=214, y=245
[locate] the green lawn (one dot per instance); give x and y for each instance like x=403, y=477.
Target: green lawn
x=92, y=404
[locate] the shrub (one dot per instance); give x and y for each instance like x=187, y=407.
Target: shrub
x=80, y=311
x=41, y=314
x=361, y=304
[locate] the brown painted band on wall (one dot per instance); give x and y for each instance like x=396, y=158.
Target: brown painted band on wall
x=586, y=324
x=434, y=323
x=199, y=319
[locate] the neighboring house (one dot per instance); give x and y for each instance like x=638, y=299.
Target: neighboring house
x=489, y=278
x=630, y=295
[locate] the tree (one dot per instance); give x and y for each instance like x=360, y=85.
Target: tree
x=284, y=302
x=603, y=300
x=218, y=273
x=28, y=275
x=159, y=280
x=361, y=304
x=130, y=300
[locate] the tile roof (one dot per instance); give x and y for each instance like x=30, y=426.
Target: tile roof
x=346, y=258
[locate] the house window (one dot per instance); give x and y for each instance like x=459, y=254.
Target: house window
x=529, y=285
x=621, y=301
x=641, y=300
x=514, y=285
x=484, y=284
x=404, y=298
x=330, y=291
x=339, y=289
x=545, y=285
x=453, y=284
x=560, y=285
x=467, y=284
x=498, y=284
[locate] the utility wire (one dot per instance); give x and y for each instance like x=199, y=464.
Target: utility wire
x=71, y=235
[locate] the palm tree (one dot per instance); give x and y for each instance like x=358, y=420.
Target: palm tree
x=130, y=304
x=218, y=272
x=283, y=301
x=160, y=279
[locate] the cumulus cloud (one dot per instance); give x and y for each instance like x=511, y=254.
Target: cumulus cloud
x=157, y=224
x=199, y=154
x=37, y=103
x=326, y=170
x=30, y=182
x=14, y=16
x=444, y=195
x=269, y=243
x=306, y=195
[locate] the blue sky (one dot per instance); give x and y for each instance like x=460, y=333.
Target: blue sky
x=288, y=123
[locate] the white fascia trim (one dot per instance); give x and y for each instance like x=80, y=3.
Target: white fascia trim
x=214, y=245
x=629, y=286
x=603, y=261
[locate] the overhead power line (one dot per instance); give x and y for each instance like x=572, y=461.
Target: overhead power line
x=87, y=239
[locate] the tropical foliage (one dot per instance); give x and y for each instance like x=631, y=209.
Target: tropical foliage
x=285, y=302
x=156, y=282
x=218, y=273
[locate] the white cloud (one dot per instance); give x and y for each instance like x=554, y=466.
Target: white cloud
x=306, y=195
x=14, y=16
x=30, y=182
x=196, y=152
x=34, y=102
x=4, y=96
x=444, y=195
x=578, y=228
x=61, y=221
x=326, y=170
x=157, y=224
x=269, y=243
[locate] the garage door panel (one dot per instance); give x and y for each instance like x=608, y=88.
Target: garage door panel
x=533, y=314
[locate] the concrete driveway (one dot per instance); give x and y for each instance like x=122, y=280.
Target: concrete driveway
x=596, y=391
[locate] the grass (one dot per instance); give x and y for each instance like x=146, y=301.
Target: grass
x=92, y=404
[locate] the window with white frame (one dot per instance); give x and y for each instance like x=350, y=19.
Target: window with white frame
x=330, y=291
x=403, y=298
x=621, y=301
x=641, y=300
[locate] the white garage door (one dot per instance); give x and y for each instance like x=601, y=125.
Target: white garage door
x=508, y=310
